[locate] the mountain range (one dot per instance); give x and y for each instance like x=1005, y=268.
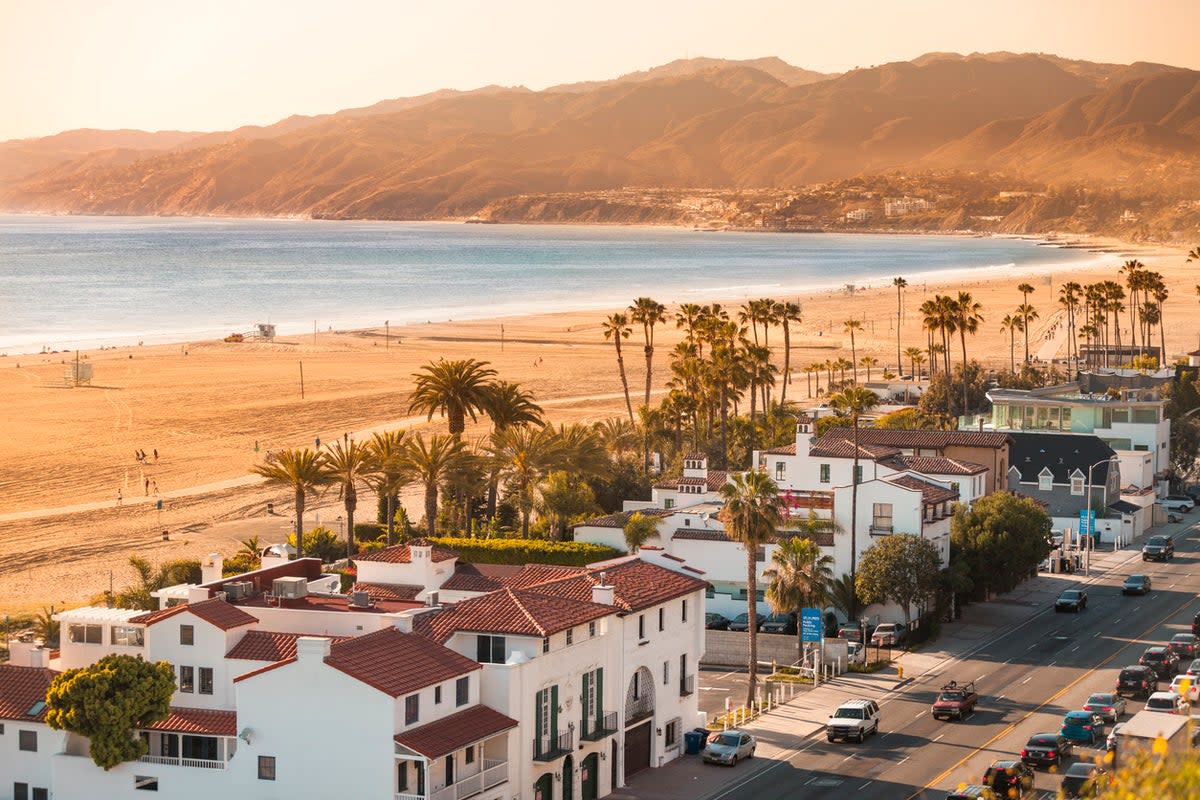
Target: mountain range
x=697, y=123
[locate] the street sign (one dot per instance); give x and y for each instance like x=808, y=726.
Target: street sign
x=810, y=624
x=1087, y=522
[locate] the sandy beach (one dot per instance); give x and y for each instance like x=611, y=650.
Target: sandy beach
x=212, y=410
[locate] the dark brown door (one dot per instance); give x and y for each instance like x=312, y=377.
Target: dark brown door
x=589, y=780
x=637, y=748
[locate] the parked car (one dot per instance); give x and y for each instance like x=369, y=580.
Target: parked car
x=854, y=633
x=974, y=791
x=855, y=719
x=1046, y=750
x=1110, y=744
x=1179, y=502
x=742, y=622
x=1009, y=778
x=1174, y=516
x=889, y=634
x=1109, y=705
x=1166, y=702
x=1071, y=600
x=1196, y=623
x=1136, y=584
x=1158, y=548
x=1162, y=660
x=1083, y=727
x=856, y=653
x=1193, y=689
x=1084, y=779
x=779, y=623
x=1184, y=645
x=729, y=747
x=716, y=622
x=1193, y=668
x=1137, y=681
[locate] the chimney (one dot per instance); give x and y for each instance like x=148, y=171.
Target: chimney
x=431, y=599
x=39, y=657
x=602, y=593
x=210, y=568
x=312, y=648
x=198, y=594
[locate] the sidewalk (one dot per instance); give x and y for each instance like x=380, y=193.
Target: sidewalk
x=791, y=725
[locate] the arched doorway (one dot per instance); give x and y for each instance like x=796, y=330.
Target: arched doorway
x=568, y=778
x=639, y=721
x=543, y=787
x=589, y=778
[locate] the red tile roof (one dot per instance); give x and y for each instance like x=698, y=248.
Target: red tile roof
x=930, y=492
x=21, y=688
x=931, y=440
x=785, y=450
x=402, y=554
x=835, y=447
x=637, y=584
x=519, y=612
x=713, y=482
x=619, y=519
x=398, y=663
x=478, y=577
x=934, y=465
x=215, y=612
x=389, y=591
x=270, y=645
x=455, y=732
x=198, y=720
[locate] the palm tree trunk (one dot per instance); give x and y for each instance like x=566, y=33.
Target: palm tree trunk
x=724, y=425
x=752, y=623
x=854, y=519
x=299, y=523
x=351, y=506
x=649, y=360
x=1012, y=343
x=962, y=335
x=431, y=495
x=787, y=363
x=390, y=504
x=624, y=379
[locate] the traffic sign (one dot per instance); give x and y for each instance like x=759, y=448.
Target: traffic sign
x=810, y=624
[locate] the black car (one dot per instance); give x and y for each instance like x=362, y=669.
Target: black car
x=1196, y=624
x=1136, y=584
x=1046, y=750
x=1185, y=646
x=1137, y=680
x=779, y=623
x=1009, y=778
x=742, y=622
x=1158, y=548
x=1162, y=660
x=1084, y=779
x=716, y=622
x=1071, y=600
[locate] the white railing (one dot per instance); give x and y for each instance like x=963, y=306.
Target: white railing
x=202, y=763
x=410, y=797
x=494, y=772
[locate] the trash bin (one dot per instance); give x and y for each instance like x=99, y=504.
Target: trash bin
x=692, y=742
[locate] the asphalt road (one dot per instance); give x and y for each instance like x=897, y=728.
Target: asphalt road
x=1027, y=678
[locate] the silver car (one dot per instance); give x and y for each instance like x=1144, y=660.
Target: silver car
x=729, y=747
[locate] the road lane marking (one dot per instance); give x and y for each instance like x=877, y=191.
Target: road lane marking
x=901, y=761
x=847, y=758
x=1001, y=697
x=865, y=785
x=810, y=780
x=1027, y=680
x=1052, y=663
x=939, y=738
x=1118, y=619
x=1076, y=647
x=981, y=677
x=919, y=715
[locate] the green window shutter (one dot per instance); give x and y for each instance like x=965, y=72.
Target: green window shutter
x=537, y=716
x=554, y=715
x=599, y=692
x=587, y=682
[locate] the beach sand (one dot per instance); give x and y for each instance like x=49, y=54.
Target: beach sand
x=212, y=410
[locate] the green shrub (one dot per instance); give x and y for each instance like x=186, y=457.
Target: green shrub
x=369, y=531
x=527, y=551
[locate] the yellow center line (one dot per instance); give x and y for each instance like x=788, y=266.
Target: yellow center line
x=1046, y=702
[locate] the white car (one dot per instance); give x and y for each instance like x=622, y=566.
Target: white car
x=1166, y=702
x=1193, y=690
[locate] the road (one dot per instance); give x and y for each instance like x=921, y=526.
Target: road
x=1027, y=678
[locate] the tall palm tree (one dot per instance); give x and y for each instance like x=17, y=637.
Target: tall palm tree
x=349, y=462
x=1068, y=298
x=853, y=402
x=787, y=314
x=966, y=320
x=430, y=463
x=1135, y=281
x=616, y=327
x=302, y=471
x=850, y=326
x=868, y=362
x=1158, y=291
x=1010, y=325
x=522, y=457
x=648, y=313
x=507, y=404
x=913, y=353
x=1025, y=289
x=752, y=514
x=388, y=477
x=457, y=389
x=799, y=577
x=900, y=284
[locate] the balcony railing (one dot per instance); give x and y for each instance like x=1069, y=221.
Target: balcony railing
x=202, y=763
x=881, y=530
x=687, y=686
x=605, y=725
x=548, y=748
x=494, y=773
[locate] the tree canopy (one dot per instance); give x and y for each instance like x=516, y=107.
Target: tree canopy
x=1002, y=538
x=107, y=700
x=901, y=568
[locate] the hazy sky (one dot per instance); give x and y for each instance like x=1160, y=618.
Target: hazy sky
x=216, y=64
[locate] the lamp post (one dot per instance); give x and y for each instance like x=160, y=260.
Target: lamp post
x=1087, y=556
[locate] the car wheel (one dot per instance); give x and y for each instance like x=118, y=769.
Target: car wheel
x=751, y=753
x=830, y=738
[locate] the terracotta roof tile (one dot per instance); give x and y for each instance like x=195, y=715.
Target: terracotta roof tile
x=389, y=591
x=22, y=688
x=713, y=482
x=930, y=492
x=402, y=554
x=931, y=440
x=215, y=612
x=934, y=465
x=473, y=578
x=786, y=450
x=636, y=584
x=198, y=720
x=519, y=612
x=455, y=732
x=835, y=447
x=398, y=663
x=619, y=519
x=270, y=645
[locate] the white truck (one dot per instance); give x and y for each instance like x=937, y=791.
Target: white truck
x=1143, y=729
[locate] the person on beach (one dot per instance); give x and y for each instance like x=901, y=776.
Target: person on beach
x=120, y=498
x=154, y=485
x=147, y=487
x=156, y=455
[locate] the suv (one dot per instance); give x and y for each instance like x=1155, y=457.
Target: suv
x=1158, y=548
x=1178, y=502
x=1162, y=660
x=1138, y=680
x=855, y=719
x=1010, y=778
x=888, y=634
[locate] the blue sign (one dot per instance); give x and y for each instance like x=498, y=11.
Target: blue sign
x=810, y=624
x=1087, y=522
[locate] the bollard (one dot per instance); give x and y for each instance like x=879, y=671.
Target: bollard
x=900, y=671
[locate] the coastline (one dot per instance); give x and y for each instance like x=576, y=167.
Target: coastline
x=204, y=405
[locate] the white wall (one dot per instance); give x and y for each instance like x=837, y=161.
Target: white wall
x=76, y=777
x=209, y=648
x=22, y=766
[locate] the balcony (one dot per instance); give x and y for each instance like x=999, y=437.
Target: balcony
x=880, y=530
x=605, y=725
x=548, y=748
x=494, y=773
x=687, y=686
x=202, y=763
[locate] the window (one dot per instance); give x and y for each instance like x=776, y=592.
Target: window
x=490, y=649
x=449, y=770
x=858, y=473
x=881, y=518
x=1076, y=484
x=591, y=630
x=668, y=502
x=666, y=673
x=266, y=768
x=412, y=709
x=145, y=783
x=469, y=754
x=1045, y=480
x=637, y=686
x=187, y=679
x=200, y=748
x=780, y=470
x=27, y=740
x=85, y=634
x=206, y=680
x=1145, y=416
x=570, y=636
x=402, y=778
x=127, y=636
x=41, y=793
x=760, y=553
x=672, y=733
x=683, y=611
x=641, y=626
x=546, y=644
x=662, y=619
x=187, y=635
x=824, y=473
x=462, y=689
x=437, y=695
x=20, y=791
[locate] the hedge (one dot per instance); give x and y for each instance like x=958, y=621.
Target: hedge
x=527, y=551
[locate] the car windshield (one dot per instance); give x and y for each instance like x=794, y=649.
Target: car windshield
x=1158, y=541
x=848, y=713
x=1152, y=656
x=1100, y=700
x=726, y=739
x=1131, y=675
x=1183, y=638
x=1160, y=702
x=955, y=695
x=1081, y=769
x=1070, y=594
x=1074, y=718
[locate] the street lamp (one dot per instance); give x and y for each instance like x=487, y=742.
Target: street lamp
x=1087, y=556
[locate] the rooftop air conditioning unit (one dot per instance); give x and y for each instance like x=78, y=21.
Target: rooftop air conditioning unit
x=238, y=590
x=289, y=588
x=360, y=599
x=431, y=599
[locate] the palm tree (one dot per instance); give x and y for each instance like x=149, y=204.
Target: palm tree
x=1068, y=298
x=522, y=457
x=648, y=313
x=868, y=362
x=787, y=314
x=616, y=327
x=966, y=320
x=752, y=514
x=349, y=462
x=1010, y=325
x=430, y=463
x=388, y=477
x=639, y=529
x=900, y=285
x=1026, y=312
x=1025, y=289
x=854, y=401
x=507, y=404
x=799, y=577
x=1135, y=279
x=457, y=389
x=844, y=596
x=302, y=471
x=1158, y=290
x=850, y=326
x=913, y=354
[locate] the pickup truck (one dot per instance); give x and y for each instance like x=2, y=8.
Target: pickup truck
x=888, y=634
x=955, y=700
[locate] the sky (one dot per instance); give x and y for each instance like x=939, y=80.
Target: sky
x=217, y=64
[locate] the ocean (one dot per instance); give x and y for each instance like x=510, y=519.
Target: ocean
x=87, y=282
